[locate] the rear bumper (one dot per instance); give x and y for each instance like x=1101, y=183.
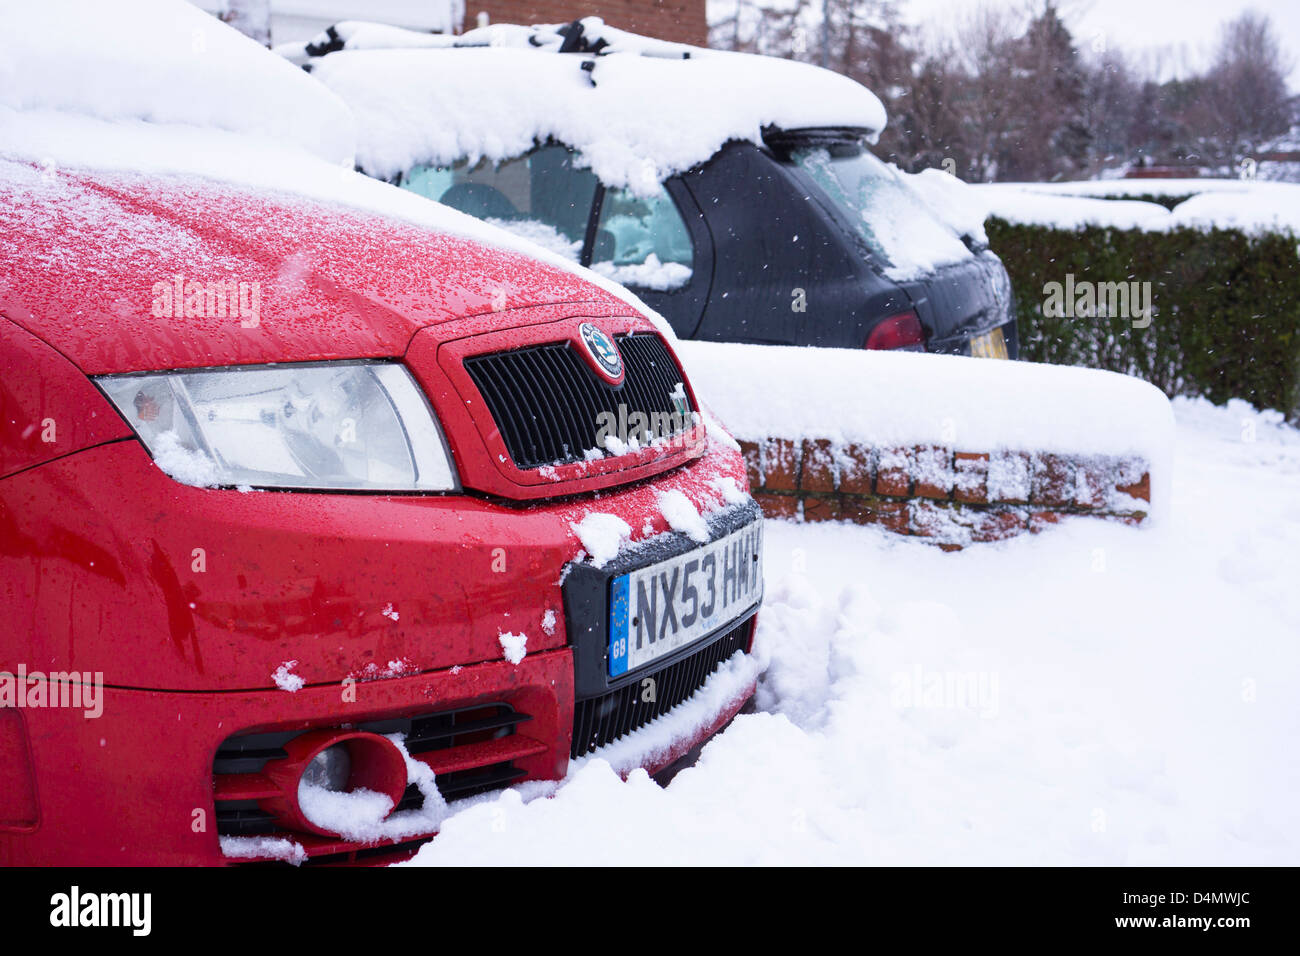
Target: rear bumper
x=961, y=344
x=961, y=301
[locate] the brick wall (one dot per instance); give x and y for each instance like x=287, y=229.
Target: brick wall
x=682, y=21
x=953, y=498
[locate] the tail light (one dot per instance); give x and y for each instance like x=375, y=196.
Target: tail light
x=900, y=331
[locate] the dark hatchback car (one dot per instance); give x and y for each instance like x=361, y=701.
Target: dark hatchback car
x=804, y=238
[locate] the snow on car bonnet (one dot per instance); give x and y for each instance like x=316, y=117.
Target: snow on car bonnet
x=162, y=61
x=636, y=115
x=158, y=88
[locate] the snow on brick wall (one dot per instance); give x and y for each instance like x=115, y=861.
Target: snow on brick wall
x=951, y=448
x=954, y=498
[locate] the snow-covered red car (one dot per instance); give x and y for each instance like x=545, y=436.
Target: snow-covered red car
x=315, y=519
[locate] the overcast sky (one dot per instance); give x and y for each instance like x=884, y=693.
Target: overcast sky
x=1184, y=31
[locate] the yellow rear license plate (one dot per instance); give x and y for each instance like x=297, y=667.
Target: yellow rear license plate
x=989, y=345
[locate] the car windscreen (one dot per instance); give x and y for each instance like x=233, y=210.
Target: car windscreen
x=542, y=196
x=887, y=212
x=546, y=197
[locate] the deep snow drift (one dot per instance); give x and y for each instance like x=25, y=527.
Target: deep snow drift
x=1096, y=694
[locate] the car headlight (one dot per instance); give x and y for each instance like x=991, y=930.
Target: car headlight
x=337, y=425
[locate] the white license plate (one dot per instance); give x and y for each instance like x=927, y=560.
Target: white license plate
x=656, y=610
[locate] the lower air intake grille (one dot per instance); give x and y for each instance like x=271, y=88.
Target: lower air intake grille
x=249, y=753
x=547, y=402
x=600, y=720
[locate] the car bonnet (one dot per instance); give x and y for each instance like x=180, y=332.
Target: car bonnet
x=123, y=272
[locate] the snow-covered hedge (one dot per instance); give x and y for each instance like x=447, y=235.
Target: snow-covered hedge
x=1217, y=259
x=1156, y=205
x=1225, y=319
x=954, y=448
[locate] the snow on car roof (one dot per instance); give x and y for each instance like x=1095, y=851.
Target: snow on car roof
x=162, y=61
x=160, y=88
x=637, y=110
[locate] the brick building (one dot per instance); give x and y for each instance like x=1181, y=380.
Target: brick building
x=682, y=21
x=299, y=20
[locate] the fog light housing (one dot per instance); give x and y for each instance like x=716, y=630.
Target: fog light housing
x=339, y=760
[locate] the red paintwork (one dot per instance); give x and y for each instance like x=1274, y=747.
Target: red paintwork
x=135, y=785
x=101, y=545
x=335, y=283
x=47, y=408
x=187, y=600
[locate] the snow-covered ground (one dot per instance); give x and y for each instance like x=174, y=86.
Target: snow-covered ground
x=1096, y=694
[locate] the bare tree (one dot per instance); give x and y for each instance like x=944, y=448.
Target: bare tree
x=931, y=127
x=1111, y=98
x=1048, y=138
x=985, y=43
x=1245, y=97
x=1006, y=93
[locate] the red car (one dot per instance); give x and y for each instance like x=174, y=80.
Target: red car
x=298, y=501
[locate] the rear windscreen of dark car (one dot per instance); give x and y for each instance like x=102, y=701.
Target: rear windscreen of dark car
x=887, y=212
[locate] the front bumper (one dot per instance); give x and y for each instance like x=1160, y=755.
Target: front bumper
x=137, y=784
x=387, y=608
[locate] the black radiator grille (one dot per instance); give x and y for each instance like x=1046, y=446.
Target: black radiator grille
x=547, y=402
x=600, y=720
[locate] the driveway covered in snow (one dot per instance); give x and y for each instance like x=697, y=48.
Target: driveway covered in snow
x=1097, y=694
